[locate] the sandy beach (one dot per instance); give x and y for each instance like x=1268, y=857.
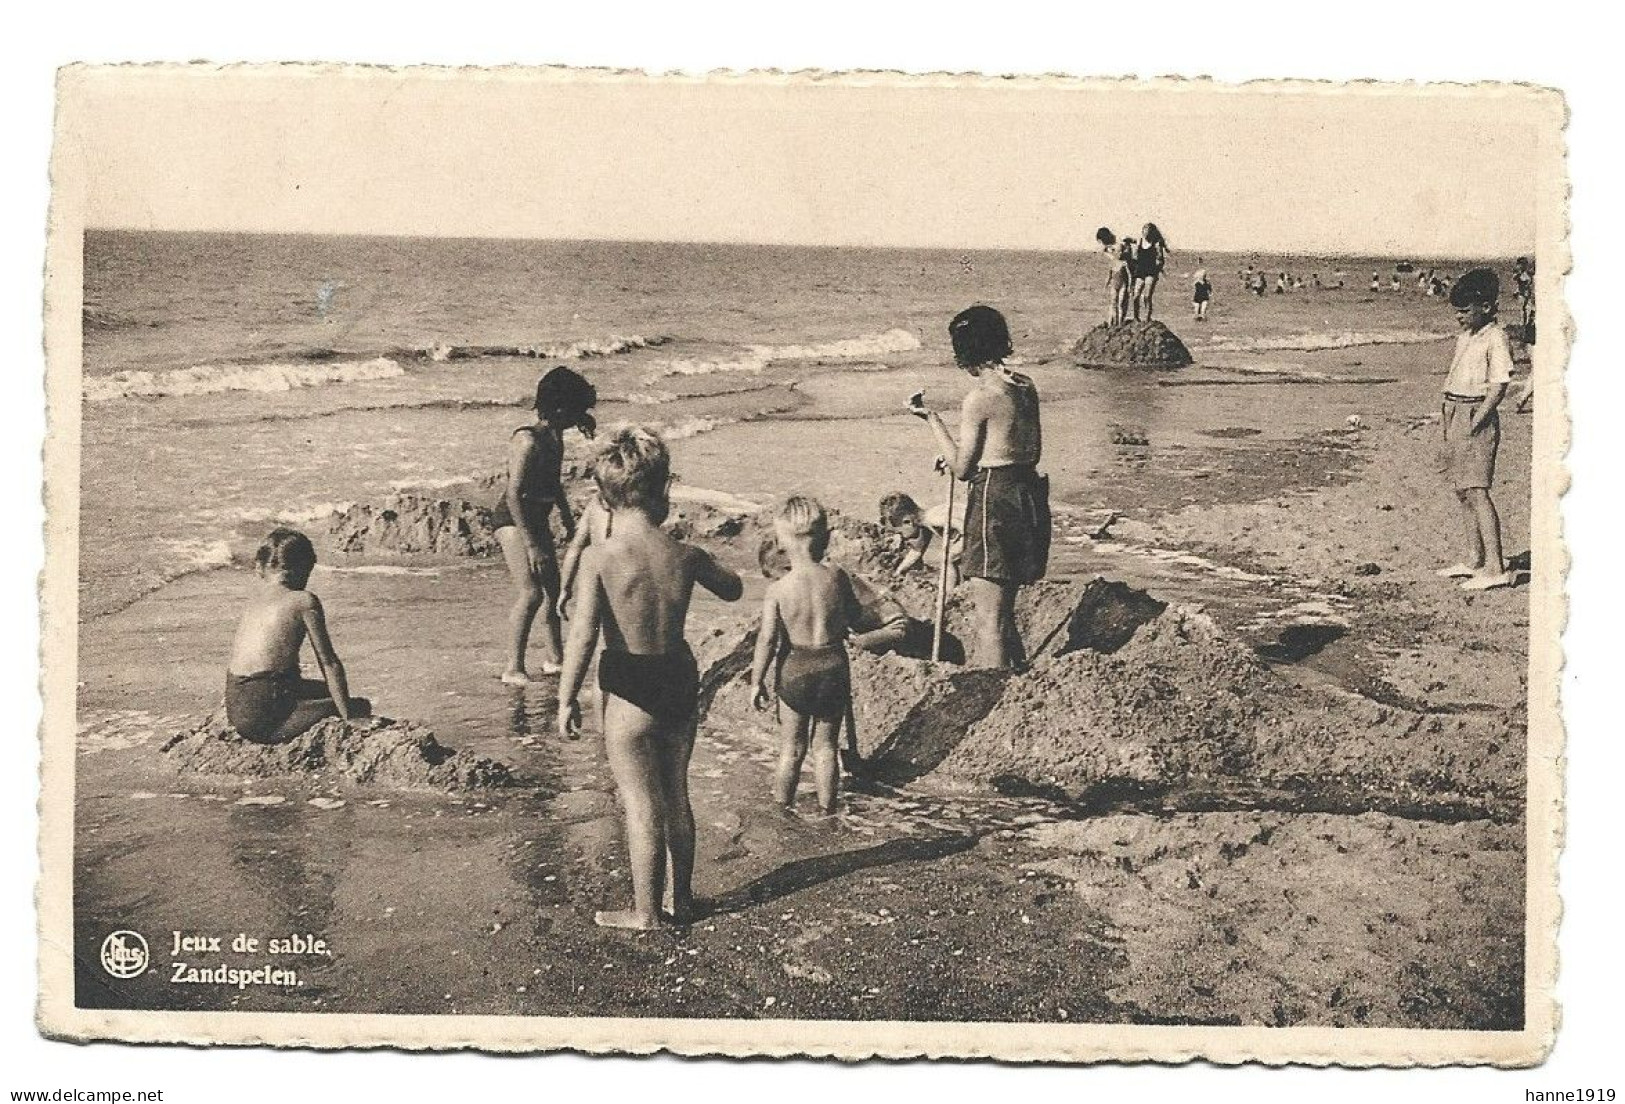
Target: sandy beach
x=1236, y=491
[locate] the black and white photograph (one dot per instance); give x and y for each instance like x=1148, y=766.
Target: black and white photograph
x=840, y=565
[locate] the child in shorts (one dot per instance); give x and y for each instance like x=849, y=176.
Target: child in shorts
x=807, y=615
x=266, y=699
x=634, y=588
x=1480, y=371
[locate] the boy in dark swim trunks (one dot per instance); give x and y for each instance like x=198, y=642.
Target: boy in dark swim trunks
x=634, y=586
x=809, y=613
x=271, y=703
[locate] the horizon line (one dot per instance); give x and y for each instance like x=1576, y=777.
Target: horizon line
x=1089, y=248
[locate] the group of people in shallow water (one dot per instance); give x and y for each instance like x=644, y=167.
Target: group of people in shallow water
x=626, y=584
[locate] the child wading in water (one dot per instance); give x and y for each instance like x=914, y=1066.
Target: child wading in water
x=1201, y=292
x=1007, y=516
x=809, y=613
x=1479, y=374
x=634, y=587
x=266, y=699
x=521, y=518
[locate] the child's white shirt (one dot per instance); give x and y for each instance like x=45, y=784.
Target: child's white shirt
x=1483, y=360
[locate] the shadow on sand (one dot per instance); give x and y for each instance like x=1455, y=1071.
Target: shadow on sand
x=801, y=874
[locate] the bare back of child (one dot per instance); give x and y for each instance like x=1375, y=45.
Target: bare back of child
x=266, y=699
x=806, y=617
x=634, y=588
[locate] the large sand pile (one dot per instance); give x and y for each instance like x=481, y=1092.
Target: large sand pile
x=374, y=750
x=1131, y=345
x=1182, y=705
x=412, y=523
x=1128, y=698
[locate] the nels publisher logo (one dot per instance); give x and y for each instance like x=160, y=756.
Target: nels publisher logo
x=124, y=954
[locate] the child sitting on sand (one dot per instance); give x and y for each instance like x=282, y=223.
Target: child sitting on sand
x=808, y=613
x=918, y=529
x=1479, y=374
x=521, y=517
x=266, y=699
x=634, y=586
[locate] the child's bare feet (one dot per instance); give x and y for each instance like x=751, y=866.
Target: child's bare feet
x=516, y=678
x=628, y=919
x=551, y=668
x=1458, y=571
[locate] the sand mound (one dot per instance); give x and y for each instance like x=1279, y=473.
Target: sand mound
x=1055, y=617
x=1131, y=345
x=411, y=523
x=1181, y=705
x=375, y=750
x=1178, y=701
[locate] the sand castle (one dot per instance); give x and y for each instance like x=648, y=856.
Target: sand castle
x=1130, y=345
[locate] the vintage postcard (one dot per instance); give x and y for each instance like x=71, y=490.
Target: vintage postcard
x=856, y=565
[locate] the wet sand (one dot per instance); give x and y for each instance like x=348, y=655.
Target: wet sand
x=917, y=902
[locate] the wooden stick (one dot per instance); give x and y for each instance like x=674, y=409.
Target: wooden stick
x=942, y=578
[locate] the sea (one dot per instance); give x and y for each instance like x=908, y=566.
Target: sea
x=233, y=381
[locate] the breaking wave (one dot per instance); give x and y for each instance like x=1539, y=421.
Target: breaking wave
x=574, y=350
x=756, y=358
x=1336, y=339
x=208, y=379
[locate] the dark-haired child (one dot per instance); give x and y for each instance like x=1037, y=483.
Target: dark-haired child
x=1007, y=515
x=266, y=699
x=1480, y=371
x=533, y=491
x=1119, y=280
x=634, y=588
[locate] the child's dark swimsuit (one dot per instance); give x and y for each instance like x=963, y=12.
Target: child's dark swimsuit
x=816, y=682
x=258, y=705
x=540, y=488
x=665, y=686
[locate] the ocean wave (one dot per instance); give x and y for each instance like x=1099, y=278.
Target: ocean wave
x=208, y=379
x=1334, y=339
x=644, y=398
x=756, y=358
x=693, y=427
x=97, y=318
x=852, y=348
x=613, y=345
x=709, y=367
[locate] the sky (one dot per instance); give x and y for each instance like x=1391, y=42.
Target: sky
x=1015, y=164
